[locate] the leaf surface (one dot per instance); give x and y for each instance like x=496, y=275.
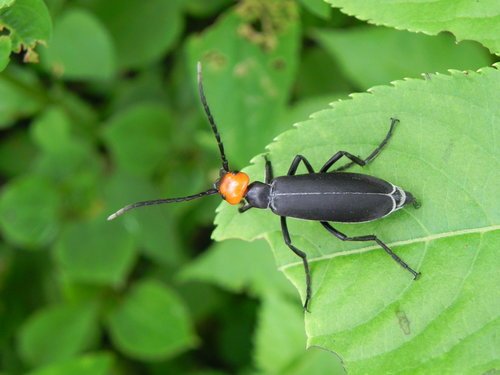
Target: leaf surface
x=151, y=323
x=365, y=307
x=473, y=20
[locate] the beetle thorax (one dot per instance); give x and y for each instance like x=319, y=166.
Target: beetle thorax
x=233, y=186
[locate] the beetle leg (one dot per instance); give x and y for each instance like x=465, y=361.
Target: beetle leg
x=244, y=207
x=295, y=164
x=302, y=255
x=337, y=156
x=269, y=170
x=377, y=150
x=370, y=237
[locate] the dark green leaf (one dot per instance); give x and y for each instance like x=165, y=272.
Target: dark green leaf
x=5, y=47
x=397, y=54
x=94, y=57
x=153, y=227
x=247, y=76
x=317, y=7
x=138, y=138
x=20, y=94
x=142, y=31
x=90, y=364
x=57, y=333
x=151, y=323
x=96, y=251
x=29, y=211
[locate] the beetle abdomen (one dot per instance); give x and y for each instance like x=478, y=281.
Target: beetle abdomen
x=341, y=197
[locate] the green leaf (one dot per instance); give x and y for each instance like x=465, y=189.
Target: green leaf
x=317, y=7
x=63, y=154
x=153, y=228
x=365, y=307
x=139, y=137
x=90, y=364
x=142, y=31
x=246, y=81
x=202, y=8
x=29, y=211
x=237, y=265
x=5, y=47
x=94, y=59
x=57, y=333
x=280, y=342
x=21, y=95
x=471, y=20
x=29, y=23
x=96, y=251
x=397, y=54
x=151, y=323
x=6, y=3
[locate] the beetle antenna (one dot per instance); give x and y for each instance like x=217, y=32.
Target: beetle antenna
x=121, y=211
x=225, y=164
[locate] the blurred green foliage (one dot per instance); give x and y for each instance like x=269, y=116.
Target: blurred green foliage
x=99, y=108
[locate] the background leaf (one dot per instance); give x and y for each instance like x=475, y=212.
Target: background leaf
x=90, y=364
x=397, y=54
x=80, y=28
x=465, y=19
x=138, y=138
x=451, y=249
x=104, y=258
x=142, y=32
x=42, y=339
x=29, y=211
x=244, y=77
x=151, y=323
x=29, y=23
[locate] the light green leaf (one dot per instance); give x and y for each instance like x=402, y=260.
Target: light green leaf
x=247, y=75
x=57, y=333
x=29, y=210
x=139, y=138
x=142, y=31
x=151, y=323
x=6, y=3
x=397, y=54
x=280, y=341
x=90, y=364
x=94, y=57
x=365, y=307
x=472, y=20
x=237, y=265
x=29, y=23
x=95, y=251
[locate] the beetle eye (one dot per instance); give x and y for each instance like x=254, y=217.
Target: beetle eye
x=233, y=187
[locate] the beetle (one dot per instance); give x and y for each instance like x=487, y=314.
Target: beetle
x=325, y=196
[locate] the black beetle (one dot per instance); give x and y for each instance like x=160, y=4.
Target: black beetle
x=322, y=196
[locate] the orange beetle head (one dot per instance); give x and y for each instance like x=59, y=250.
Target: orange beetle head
x=233, y=186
